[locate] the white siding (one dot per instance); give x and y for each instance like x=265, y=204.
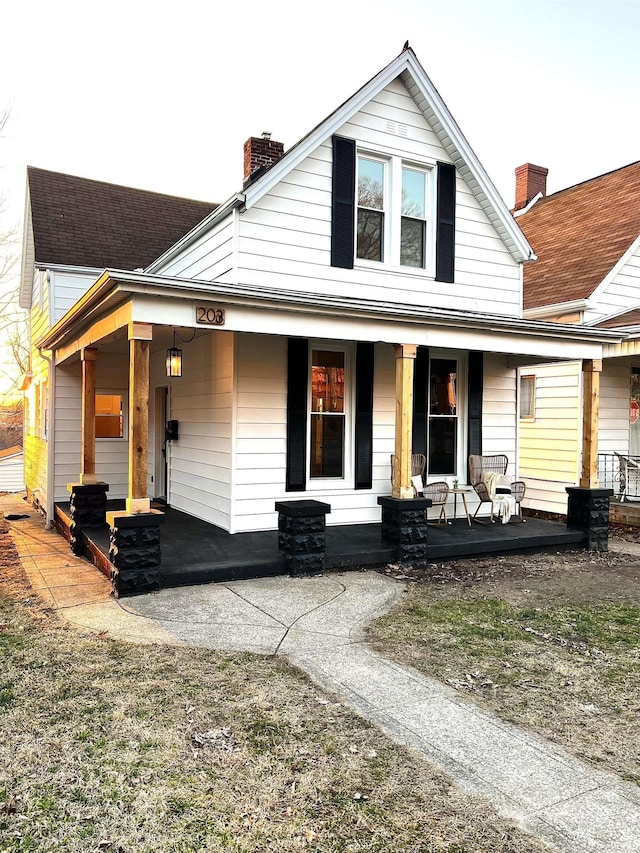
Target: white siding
x=621, y=293
x=550, y=444
x=112, y=454
x=68, y=428
x=208, y=258
x=67, y=288
x=261, y=408
x=499, y=409
x=202, y=402
x=284, y=239
x=12, y=473
x=613, y=426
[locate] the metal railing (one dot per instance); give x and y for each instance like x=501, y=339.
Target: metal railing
x=621, y=473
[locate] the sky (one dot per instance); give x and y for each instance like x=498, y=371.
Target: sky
x=162, y=95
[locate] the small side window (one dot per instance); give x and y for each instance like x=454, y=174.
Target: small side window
x=527, y=398
x=109, y=419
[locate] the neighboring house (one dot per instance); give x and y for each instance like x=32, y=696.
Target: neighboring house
x=362, y=287
x=587, y=239
x=12, y=469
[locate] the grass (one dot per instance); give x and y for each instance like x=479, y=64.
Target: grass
x=550, y=642
x=108, y=746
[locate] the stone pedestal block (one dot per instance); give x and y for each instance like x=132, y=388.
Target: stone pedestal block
x=87, y=508
x=301, y=535
x=134, y=551
x=404, y=525
x=588, y=510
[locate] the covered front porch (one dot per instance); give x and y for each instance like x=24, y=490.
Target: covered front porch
x=194, y=551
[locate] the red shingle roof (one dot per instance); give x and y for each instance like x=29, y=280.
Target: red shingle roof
x=629, y=318
x=81, y=222
x=10, y=451
x=579, y=234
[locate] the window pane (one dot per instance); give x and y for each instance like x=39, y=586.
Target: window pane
x=413, y=193
x=442, y=445
x=527, y=396
x=443, y=399
x=109, y=416
x=327, y=381
x=370, y=224
x=370, y=184
x=412, y=242
x=327, y=445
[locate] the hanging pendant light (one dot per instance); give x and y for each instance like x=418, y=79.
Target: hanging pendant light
x=174, y=359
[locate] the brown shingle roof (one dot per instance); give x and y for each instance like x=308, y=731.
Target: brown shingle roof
x=579, y=234
x=10, y=451
x=78, y=221
x=629, y=318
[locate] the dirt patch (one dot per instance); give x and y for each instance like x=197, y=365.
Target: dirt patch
x=110, y=746
x=551, y=642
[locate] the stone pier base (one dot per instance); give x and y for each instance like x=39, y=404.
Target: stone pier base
x=588, y=510
x=87, y=508
x=134, y=551
x=301, y=535
x=404, y=525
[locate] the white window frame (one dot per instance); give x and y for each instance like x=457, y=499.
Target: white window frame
x=532, y=415
x=111, y=392
x=348, y=480
x=462, y=391
x=394, y=164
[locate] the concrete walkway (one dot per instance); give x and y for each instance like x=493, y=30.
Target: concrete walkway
x=317, y=623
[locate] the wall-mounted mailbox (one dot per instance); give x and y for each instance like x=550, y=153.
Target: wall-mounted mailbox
x=172, y=431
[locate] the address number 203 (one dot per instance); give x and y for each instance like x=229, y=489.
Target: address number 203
x=209, y=316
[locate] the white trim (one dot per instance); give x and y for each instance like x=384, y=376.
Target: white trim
x=555, y=308
x=617, y=313
x=528, y=206
x=613, y=272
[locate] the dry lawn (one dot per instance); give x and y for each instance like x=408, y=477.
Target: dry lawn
x=107, y=746
x=550, y=642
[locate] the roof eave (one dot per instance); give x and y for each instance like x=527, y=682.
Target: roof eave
x=539, y=312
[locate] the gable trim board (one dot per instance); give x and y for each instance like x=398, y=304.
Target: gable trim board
x=604, y=284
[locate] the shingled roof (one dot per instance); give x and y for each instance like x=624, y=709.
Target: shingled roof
x=579, y=234
x=80, y=222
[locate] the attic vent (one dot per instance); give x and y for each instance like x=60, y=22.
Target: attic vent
x=396, y=128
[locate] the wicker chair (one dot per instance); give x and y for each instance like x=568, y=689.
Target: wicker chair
x=628, y=477
x=418, y=464
x=496, y=464
x=438, y=493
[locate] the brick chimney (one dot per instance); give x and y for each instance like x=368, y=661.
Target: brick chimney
x=530, y=180
x=260, y=151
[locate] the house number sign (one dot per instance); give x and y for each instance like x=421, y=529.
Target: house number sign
x=209, y=316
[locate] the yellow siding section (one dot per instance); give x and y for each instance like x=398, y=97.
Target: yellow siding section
x=35, y=445
x=550, y=444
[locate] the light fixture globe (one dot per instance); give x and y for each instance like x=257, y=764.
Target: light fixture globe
x=174, y=359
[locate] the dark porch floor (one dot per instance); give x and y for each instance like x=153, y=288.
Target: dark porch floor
x=194, y=551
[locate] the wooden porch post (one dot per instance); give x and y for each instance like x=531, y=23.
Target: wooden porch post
x=405, y=358
x=88, y=463
x=139, y=336
x=591, y=369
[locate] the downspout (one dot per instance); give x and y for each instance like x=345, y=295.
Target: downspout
x=51, y=507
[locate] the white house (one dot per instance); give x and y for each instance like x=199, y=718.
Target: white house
x=587, y=238
x=361, y=295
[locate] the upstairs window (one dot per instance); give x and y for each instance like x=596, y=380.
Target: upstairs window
x=394, y=217
x=370, y=242
x=413, y=221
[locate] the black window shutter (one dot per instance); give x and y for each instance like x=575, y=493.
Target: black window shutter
x=420, y=401
x=297, y=380
x=474, y=405
x=446, y=222
x=364, y=416
x=343, y=190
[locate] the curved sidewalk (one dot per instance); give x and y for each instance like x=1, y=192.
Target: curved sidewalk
x=317, y=623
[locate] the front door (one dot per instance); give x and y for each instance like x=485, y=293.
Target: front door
x=161, y=484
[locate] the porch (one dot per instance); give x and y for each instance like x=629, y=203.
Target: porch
x=194, y=551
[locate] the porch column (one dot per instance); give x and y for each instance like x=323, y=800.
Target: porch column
x=405, y=358
x=139, y=336
x=88, y=497
x=88, y=356
x=591, y=370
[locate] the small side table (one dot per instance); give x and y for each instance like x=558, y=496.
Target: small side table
x=464, y=491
